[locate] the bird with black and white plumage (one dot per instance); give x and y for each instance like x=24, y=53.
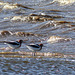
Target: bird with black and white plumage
x=14, y=44
x=35, y=47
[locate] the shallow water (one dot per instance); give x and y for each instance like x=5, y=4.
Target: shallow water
x=39, y=66
x=35, y=22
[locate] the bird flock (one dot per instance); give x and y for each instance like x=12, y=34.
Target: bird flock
x=17, y=44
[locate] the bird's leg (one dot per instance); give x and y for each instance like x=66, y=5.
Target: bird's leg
x=34, y=53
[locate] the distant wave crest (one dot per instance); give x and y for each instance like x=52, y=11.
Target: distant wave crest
x=64, y=2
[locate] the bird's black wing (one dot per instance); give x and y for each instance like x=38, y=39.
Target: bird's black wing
x=36, y=46
x=13, y=43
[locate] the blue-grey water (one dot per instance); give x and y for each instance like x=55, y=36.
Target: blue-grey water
x=38, y=66
x=50, y=18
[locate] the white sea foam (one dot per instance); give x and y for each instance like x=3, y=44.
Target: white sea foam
x=64, y=2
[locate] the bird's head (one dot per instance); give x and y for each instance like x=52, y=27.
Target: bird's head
x=21, y=41
x=41, y=45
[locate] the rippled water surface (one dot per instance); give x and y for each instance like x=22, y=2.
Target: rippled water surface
x=39, y=66
x=51, y=22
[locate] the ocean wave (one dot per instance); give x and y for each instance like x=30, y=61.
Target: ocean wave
x=64, y=2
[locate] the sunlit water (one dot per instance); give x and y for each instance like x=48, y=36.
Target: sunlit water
x=50, y=18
